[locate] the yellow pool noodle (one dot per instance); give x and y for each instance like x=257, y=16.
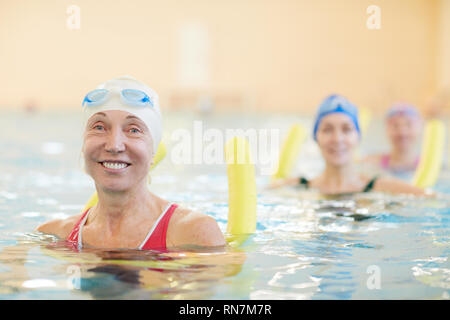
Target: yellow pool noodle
x=160, y=154
x=290, y=151
x=241, y=188
x=365, y=116
x=431, y=156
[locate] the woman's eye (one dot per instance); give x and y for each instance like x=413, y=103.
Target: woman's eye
x=98, y=127
x=134, y=130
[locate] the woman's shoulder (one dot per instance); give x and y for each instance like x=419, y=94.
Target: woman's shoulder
x=393, y=185
x=60, y=227
x=196, y=228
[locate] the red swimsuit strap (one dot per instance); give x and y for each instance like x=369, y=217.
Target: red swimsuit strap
x=157, y=240
x=73, y=236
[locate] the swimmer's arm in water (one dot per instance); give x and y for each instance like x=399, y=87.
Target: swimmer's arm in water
x=59, y=227
x=392, y=185
x=283, y=183
x=193, y=228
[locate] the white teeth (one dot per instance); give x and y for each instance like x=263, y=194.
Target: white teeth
x=114, y=165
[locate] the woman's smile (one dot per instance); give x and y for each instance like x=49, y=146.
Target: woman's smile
x=114, y=166
x=337, y=151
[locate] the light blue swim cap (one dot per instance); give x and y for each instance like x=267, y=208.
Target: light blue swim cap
x=402, y=108
x=336, y=104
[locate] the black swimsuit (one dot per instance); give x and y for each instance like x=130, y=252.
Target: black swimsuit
x=305, y=182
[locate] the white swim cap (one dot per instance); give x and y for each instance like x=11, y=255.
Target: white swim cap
x=151, y=116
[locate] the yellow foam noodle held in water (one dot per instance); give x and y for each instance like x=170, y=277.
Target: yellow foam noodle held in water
x=365, y=116
x=160, y=154
x=241, y=190
x=290, y=151
x=431, y=156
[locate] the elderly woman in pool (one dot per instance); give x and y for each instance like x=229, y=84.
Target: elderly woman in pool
x=123, y=128
x=403, y=126
x=337, y=134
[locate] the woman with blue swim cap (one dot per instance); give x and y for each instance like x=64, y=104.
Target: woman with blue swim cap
x=337, y=133
x=122, y=130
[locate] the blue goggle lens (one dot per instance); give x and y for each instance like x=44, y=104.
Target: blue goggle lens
x=95, y=96
x=130, y=96
x=134, y=95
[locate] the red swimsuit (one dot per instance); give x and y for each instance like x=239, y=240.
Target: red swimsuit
x=155, y=239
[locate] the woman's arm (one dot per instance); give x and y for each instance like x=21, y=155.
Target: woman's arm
x=392, y=185
x=283, y=182
x=194, y=228
x=59, y=227
x=203, y=230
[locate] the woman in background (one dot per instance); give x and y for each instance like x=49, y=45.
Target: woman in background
x=337, y=133
x=403, y=127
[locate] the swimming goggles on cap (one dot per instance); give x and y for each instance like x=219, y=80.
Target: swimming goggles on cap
x=336, y=104
x=402, y=109
x=131, y=97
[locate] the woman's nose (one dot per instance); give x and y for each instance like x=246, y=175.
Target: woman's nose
x=115, y=141
x=337, y=136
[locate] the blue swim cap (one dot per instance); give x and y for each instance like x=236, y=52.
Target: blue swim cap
x=402, y=108
x=335, y=104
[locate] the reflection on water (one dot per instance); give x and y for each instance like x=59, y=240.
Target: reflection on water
x=306, y=246
x=303, y=249
x=125, y=274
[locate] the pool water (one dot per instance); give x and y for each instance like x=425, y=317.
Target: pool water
x=367, y=246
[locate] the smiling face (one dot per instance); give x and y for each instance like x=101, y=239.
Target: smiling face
x=117, y=150
x=403, y=131
x=337, y=138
